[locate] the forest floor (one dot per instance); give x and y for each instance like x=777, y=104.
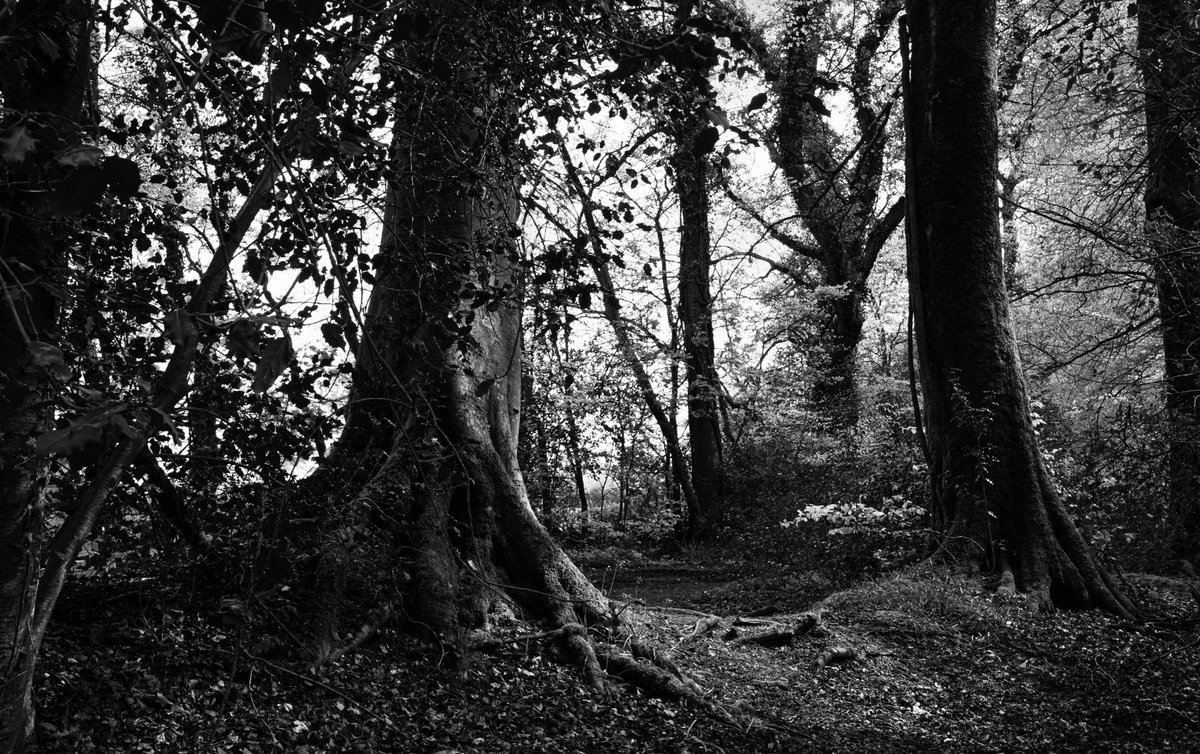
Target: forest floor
x=940, y=664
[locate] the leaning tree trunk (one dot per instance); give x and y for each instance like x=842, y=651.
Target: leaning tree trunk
x=447, y=303
x=994, y=502
x=1168, y=44
x=46, y=105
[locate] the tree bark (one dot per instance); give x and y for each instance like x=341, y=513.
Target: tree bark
x=995, y=505
x=448, y=298
x=32, y=244
x=1168, y=43
x=695, y=304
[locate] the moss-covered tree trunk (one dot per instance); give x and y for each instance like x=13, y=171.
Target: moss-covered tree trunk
x=1169, y=45
x=446, y=345
x=45, y=102
x=994, y=502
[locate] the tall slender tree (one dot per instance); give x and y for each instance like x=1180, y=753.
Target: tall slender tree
x=1169, y=44
x=691, y=134
x=994, y=502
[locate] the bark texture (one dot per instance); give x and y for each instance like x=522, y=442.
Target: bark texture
x=49, y=101
x=1169, y=45
x=446, y=345
x=994, y=502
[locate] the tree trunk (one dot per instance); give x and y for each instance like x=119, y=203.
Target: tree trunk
x=994, y=502
x=1010, y=242
x=670, y=483
x=836, y=197
x=536, y=443
x=51, y=95
x=574, y=448
x=1167, y=39
x=448, y=298
x=695, y=314
x=627, y=347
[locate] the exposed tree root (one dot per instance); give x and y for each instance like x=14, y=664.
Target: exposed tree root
x=703, y=627
x=376, y=619
x=623, y=658
x=788, y=634
x=655, y=680
x=832, y=655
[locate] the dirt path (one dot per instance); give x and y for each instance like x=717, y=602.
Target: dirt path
x=681, y=586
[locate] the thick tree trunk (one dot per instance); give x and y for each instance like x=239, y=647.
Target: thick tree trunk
x=994, y=502
x=1168, y=43
x=448, y=300
x=695, y=316
x=51, y=95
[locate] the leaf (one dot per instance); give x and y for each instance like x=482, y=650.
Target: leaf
x=283, y=15
x=717, y=117
x=17, y=145
x=79, y=155
x=123, y=176
x=816, y=104
x=482, y=388
x=242, y=339
x=757, y=101
x=705, y=141
x=78, y=190
x=333, y=335
x=85, y=434
x=276, y=357
x=44, y=354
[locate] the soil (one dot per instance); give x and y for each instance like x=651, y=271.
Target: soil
x=938, y=663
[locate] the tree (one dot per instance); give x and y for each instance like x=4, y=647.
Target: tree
x=692, y=137
x=994, y=503
x=835, y=190
x=447, y=339
x=43, y=82
x=1167, y=41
